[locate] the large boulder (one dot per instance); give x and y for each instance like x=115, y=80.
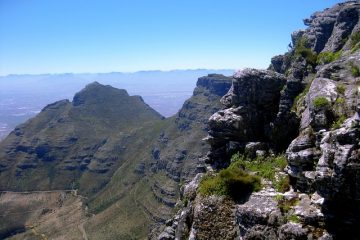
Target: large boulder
x=251, y=105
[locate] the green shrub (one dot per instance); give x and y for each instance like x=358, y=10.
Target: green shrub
x=293, y=218
x=266, y=167
x=340, y=88
x=282, y=184
x=337, y=124
x=285, y=204
x=320, y=102
x=340, y=101
x=278, y=197
x=328, y=57
x=230, y=182
x=355, y=71
x=302, y=50
x=280, y=162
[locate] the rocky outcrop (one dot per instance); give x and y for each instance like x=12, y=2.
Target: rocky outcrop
x=324, y=158
x=308, y=104
x=265, y=215
x=327, y=29
x=251, y=106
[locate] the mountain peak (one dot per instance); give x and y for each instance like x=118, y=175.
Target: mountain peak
x=99, y=116
x=96, y=92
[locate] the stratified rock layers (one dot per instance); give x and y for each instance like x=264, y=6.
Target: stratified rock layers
x=307, y=105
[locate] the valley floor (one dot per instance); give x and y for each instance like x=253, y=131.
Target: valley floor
x=42, y=215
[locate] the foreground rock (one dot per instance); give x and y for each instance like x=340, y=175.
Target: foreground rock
x=307, y=103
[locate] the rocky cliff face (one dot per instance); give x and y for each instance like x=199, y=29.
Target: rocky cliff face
x=178, y=155
x=251, y=105
x=306, y=104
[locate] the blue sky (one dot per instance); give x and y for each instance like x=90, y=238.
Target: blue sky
x=57, y=36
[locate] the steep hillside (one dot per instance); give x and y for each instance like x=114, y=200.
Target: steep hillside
x=119, y=153
x=73, y=145
x=295, y=126
x=143, y=193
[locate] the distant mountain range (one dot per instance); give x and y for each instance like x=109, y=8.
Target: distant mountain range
x=23, y=96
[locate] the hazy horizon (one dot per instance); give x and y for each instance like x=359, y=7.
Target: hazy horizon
x=121, y=72
x=23, y=96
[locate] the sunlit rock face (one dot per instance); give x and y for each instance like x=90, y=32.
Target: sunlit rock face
x=307, y=105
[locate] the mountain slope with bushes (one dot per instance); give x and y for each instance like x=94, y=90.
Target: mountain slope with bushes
x=126, y=160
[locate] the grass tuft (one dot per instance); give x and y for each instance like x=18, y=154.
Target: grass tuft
x=328, y=57
x=355, y=71
x=337, y=124
x=265, y=167
x=230, y=182
x=321, y=102
x=282, y=184
x=302, y=50
x=340, y=100
x=340, y=88
x=284, y=204
x=293, y=218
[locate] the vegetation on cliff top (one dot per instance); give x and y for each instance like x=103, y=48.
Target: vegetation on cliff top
x=321, y=102
x=266, y=167
x=328, y=57
x=230, y=182
x=301, y=50
x=236, y=182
